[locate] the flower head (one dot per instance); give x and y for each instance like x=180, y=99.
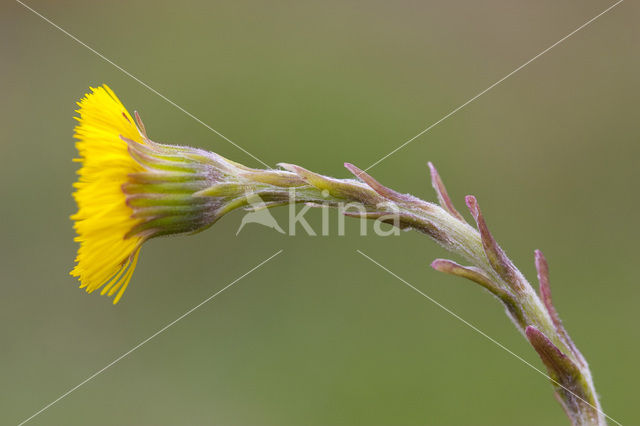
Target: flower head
x=131, y=189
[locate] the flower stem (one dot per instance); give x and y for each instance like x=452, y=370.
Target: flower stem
x=534, y=315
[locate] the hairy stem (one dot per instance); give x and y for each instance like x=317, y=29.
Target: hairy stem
x=364, y=197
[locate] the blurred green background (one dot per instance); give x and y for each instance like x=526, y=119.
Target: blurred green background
x=319, y=335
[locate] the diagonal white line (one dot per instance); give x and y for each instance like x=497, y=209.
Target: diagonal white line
x=494, y=85
x=142, y=83
x=476, y=329
x=148, y=338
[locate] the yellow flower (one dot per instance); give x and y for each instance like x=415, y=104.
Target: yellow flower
x=107, y=255
x=131, y=189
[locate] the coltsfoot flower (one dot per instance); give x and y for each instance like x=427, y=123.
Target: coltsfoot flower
x=131, y=189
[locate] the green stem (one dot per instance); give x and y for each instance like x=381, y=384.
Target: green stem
x=215, y=186
x=490, y=267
